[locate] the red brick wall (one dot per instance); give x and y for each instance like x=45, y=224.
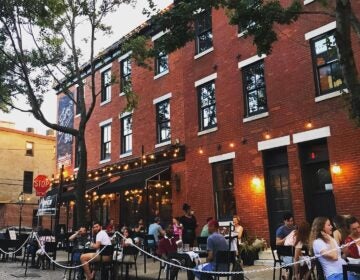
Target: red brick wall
x=290, y=92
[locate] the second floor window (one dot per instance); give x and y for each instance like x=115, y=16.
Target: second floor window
x=126, y=134
x=161, y=62
x=254, y=89
x=203, y=32
x=207, y=106
x=28, y=182
x=327, y=69
x=105, y=142
x=29, y=149
x=163, y=121
x=106, y=85
x=125, y=74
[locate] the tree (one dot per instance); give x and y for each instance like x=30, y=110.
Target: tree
x=258, y=18
x=39, y=46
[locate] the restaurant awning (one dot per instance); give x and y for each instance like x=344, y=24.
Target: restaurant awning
x=137, y=179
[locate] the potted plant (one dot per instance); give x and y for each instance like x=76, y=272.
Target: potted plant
x=249, y=250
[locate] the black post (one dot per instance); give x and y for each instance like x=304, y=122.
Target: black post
x=57, y=214
x=21, y=202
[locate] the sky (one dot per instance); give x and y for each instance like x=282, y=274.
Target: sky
x=122, y=22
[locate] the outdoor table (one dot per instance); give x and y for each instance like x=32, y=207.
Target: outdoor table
x=350, y=268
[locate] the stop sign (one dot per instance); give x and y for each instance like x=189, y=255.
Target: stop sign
x=41, y=185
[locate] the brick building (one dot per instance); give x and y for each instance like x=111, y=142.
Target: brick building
x=258, y=136
x=24, y=155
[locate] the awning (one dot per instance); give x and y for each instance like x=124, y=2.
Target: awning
x=137, y=179
x=70, y=194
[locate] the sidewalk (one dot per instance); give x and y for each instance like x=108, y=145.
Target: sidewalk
x=9, y=269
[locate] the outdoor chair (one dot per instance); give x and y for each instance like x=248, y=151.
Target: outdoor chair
x=170, y=272
x=4, y=245
x=319, y=270
x=284, y=251
x=202, y=244
x=129, y=258
x=149, y=246
x=105, y=267
x=50, y=249
x=224, y=260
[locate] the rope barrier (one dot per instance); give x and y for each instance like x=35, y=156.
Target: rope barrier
x=193, y=269
x=18, y=249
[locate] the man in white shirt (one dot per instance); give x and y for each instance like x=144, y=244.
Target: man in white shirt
x=102, y=239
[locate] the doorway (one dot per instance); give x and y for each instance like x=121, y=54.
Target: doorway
x=277, y=187
x=316, y=177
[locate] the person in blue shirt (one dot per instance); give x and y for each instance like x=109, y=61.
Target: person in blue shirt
x=156, y=229
x=283, y=231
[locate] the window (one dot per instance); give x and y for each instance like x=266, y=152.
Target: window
x=203, y=32
x=106, y=85
x=163, y=121
x=77, y=107
x=161, y=62
x=126, y=134
x=223, y=180
x=327, y=69
x=106, y=142
x=254, y=89
x=207, y=106
x=242, y=28
x=29, y=146
x=28, y=182
x=125, y=74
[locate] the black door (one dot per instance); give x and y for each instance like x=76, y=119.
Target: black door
x=278, y=194
x=317, y=183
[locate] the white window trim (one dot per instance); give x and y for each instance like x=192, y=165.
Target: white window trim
x=203, y=53
x=107, y=67
x=210, y=130
x=206, y=79
x=222, y=157
x=256, y=117
x=104, y=161
x=321, y=30
x=241, y=34
x=158, y=35
x=106, y=101
x=311, y=134
x=308, y=1
x=121, y=93
x=125, y=155
x=329, y=95
x=163, y=144
x=124, y=56
x=250, y=60
x=274, y=143
x=125, y=114
x=161, y=74
x=105, y=122
x=162, y=98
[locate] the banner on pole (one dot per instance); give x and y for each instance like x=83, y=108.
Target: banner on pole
x=47, y=206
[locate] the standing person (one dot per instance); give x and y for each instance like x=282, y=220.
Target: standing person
x=353, y=251
x=301, y=270
x=110, y=228
x=327, y=250
x=283, y=231
x=102, y=239
x=340, y=231
x=238, y=229
x=205, y=229
x=189, y=223
x=177, y=227
x=215, y=242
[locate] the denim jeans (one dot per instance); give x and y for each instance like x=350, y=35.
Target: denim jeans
x=339, y=276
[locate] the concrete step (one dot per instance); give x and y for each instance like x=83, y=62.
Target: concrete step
x=265, y=255
x=264, y=262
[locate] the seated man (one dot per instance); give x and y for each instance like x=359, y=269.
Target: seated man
x=283, y=231
x=167, y=249
x=102, y=239
x=156, y=230
x=353, y=251
x=80, y=238
x=215, y=242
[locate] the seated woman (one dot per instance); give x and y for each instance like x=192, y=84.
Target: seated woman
x=353, y=250
x=44, y=236
x=327, y=250
x=302, y=270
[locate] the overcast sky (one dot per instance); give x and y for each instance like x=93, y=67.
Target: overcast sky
x=123, y=21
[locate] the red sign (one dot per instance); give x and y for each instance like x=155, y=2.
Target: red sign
x=41, y=185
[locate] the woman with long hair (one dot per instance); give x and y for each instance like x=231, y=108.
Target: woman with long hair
x=341, y=231
x=238, y=229
x=327, y=250
x=301, y=271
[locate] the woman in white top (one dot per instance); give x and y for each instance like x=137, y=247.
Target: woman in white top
x=327, y=250
x=238, y=229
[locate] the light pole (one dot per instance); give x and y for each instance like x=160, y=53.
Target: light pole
x=21, y=200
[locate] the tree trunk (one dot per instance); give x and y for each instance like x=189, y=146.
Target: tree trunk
x=346, y=56
x=81, y=178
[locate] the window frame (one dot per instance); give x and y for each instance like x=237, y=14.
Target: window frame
x=217, y=189
x=157, y=65
x=319, y=92
x=244, y=71
x=105, y=87
x=28, y=189
x=160, y=123
x=125, y=79
x=124, y=147
x=198, y=34
x=105, y=142
x=202, y=109
x=29, y=152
